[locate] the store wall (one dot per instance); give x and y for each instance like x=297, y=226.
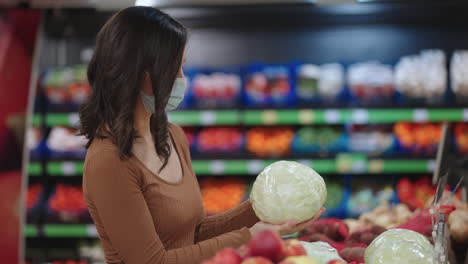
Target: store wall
x=17, y=37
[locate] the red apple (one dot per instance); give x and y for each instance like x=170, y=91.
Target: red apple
x=269, y=245
x=257, y=260
x=211, y=261
x=336, y=261
x=298, y=260
x=294, y=248
x=228, y=256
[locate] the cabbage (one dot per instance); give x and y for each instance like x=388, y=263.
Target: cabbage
x=287, y=190
x=399, y=246
x=322, y=252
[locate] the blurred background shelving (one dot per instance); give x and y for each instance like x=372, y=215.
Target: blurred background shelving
x=267, y=82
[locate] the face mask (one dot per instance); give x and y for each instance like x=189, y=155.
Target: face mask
x=176, y=97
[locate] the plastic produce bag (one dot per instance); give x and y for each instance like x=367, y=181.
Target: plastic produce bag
x=459, y=73
x=331, y=80
x=435, y=72
x=287, y=190
x=422, y=76
x=409, y=77
x=322, y=252
x=399, y=246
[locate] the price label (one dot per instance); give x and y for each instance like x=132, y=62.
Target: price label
x=358, y=166
x=74, y=120
x=431, y=165
x=420, y=115
x=254, y=166
x=307, y=163
x=68, y=168
x=269, y=117
x=91, y=231
x=360, y=116
x=332, y=116
x=306, y=117
x=208, y=117
x=376, y=166
x=217, y=167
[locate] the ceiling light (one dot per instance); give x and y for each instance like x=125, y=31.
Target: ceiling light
x=146, y=2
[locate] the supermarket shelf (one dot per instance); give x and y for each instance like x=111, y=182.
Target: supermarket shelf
x=61, y=230
x=290, y=117
x=344, y=164
x=31, y=230
x=34, y=169
x=357, y=116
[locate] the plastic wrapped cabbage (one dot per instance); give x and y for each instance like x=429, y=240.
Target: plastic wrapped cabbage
x=287, y=190
x=321, y=252
x=399, y=246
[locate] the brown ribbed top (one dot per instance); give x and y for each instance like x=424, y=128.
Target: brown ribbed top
x=143, y=219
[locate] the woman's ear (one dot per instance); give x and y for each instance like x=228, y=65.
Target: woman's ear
x=147, y=85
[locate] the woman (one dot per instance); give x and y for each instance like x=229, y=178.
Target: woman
x=138, y=181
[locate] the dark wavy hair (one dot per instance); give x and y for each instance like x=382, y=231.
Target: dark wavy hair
x=134, y=41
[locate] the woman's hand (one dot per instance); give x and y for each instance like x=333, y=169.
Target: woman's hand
x=288, y=228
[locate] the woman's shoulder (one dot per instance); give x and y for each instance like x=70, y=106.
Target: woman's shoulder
x=103, y=154
x=175, y=129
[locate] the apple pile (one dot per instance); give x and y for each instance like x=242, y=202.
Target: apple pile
x=266, y=248
x=34, y=192
x=68, y=198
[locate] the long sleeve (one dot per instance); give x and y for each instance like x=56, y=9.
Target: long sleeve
x=113, y=189
x=239, y=217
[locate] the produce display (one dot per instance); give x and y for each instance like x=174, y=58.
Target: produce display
x=68, y=202
x=321, y=252
x=399, y=246
x=423, y=76
x=459, y=75
x=64, y=142
x=91, y=250
x=458, y=226
x=319, y=82
x=461, y=137
x=66, y=85
x=335, y=193
x=415, y=194
x=269, y=141
x=190, y=134
x=215, y=89
x=370, y=139
x=386, y=216
x=219, y=139
x=34, y=136
x=267, y=247
x=267, y=85
x=418, y=138
x=220, y=195
x=322, y=140
x=371, y=82
x=287, y=190
x=33, y=195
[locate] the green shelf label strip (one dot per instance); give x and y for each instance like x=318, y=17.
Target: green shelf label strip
x=62, y=230
x=70, y=231
x=31, y=230
x=289, y=117
x=348, y=163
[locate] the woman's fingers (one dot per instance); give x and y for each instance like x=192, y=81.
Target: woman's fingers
x=305, y=224
x=292, y=226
